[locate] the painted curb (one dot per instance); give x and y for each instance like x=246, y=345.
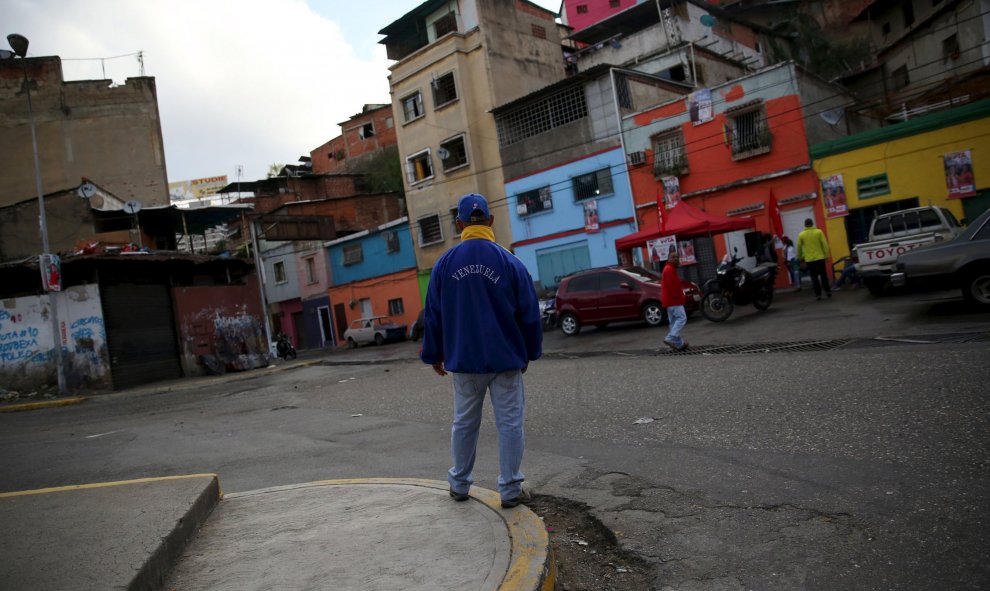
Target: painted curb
x=40, y=405
x=152, y=573
x=531, y=563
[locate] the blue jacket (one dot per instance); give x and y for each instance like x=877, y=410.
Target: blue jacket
x=482, y=314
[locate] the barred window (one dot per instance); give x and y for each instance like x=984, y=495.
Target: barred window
x=669, y=158
x=353, y=254
x=530, y=202
x=453, y=153
x=412, y=106
x=395, y=307
x=419, y=167
x=592, y=185
x=430, y=231
x=444, y=90
x=543, y=115
x=750, y=135
x=538, y=31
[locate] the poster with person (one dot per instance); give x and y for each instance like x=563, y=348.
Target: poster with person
x=685, y=249
x=959, y=177
x=51, y=272
x=834, y=192
x=671, y=191
x=591, y=216
x=700, y=106
x=660, y=248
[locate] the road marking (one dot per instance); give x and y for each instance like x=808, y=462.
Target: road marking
x=102, y=434
x=41, y=491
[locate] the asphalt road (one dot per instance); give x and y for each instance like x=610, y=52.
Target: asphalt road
x=858, y=467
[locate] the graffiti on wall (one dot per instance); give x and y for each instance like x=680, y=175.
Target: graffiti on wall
x=19, y=340
x=225, y=339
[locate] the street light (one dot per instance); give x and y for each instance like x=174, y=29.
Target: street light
x=19, y=43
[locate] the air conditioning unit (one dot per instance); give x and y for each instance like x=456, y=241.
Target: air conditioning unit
x=637, y=158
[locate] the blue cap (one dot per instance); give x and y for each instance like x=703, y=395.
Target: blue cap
x=470, y=203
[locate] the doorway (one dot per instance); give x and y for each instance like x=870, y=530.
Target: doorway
x=326, y=331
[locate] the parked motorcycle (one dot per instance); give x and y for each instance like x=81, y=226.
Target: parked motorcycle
x=548, y=313
x=284, y=348
x=735, y=286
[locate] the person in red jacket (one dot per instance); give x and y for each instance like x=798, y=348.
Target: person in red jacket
x=672, y=298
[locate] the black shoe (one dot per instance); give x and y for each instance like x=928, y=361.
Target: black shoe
x=459, y=497
x=819, y=298
x=523, y=499
x=828, y=294
x=683, y=348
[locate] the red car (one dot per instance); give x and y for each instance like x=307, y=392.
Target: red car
x=614, y=294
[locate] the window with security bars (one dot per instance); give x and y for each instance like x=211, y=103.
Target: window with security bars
x=592, y=185
x=412, y=106
x=419, y=167
x=872, y=186
x=541, y=116
x=445, y=24
x=395, y=307
x=353, y=254
x=430, y=231
x=750, y=135
x=444, y=90
x=455, y=152
x=535, y=201
x=669, y=158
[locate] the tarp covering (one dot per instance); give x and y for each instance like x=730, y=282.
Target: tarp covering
x=685, y=221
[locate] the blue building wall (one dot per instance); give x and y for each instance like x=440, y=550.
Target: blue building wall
x=377, y=261
x=615, y=213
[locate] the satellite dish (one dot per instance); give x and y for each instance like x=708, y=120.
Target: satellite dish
x=86, y=190
x=132, y=206
x=443, y=153
x=833, y=116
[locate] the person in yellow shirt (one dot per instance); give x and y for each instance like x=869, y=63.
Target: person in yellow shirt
x=812, y=249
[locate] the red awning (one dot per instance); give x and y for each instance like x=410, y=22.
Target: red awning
x=686, y=221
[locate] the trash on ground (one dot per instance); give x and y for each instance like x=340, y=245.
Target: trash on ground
x=643, y=420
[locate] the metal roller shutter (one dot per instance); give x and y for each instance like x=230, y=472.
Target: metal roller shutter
x=140, y=334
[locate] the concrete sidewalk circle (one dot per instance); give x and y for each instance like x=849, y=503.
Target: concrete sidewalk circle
x=380, y=533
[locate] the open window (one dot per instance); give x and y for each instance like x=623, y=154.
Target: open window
x=669, y=157
x=419, y=167
x=412, y=106
x=592, y=185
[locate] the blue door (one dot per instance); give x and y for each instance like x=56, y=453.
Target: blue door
x=555, y=263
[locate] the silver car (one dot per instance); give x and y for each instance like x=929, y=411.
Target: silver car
x=960, y=263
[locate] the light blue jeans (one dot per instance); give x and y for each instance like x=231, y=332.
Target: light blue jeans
x=677, y=318
x=508, y=402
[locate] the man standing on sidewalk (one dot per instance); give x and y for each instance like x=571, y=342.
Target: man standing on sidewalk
x=672, y=298
x=482, y=324
x=813, y=250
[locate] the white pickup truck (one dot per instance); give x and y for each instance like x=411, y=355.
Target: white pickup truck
x=892, y=234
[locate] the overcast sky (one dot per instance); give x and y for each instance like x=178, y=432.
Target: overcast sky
x=249, y=82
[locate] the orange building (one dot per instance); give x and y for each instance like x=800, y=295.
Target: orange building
x=735, y=150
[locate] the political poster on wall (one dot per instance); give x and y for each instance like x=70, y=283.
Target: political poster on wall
x=671, y=191
x=959, y=174
x=591, y=216
x=51, y=272
x=700, y=106
x=685, y=249
x=834, y=192
x=660, y=248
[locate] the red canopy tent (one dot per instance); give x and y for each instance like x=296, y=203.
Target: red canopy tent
x=685, y=221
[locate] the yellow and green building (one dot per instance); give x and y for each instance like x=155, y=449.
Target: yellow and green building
x=901, y=166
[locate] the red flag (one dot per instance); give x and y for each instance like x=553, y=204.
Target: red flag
x=775, y=222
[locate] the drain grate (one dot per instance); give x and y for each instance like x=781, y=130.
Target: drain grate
x=785, y=347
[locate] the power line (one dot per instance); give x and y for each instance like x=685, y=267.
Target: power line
x=623, y=166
